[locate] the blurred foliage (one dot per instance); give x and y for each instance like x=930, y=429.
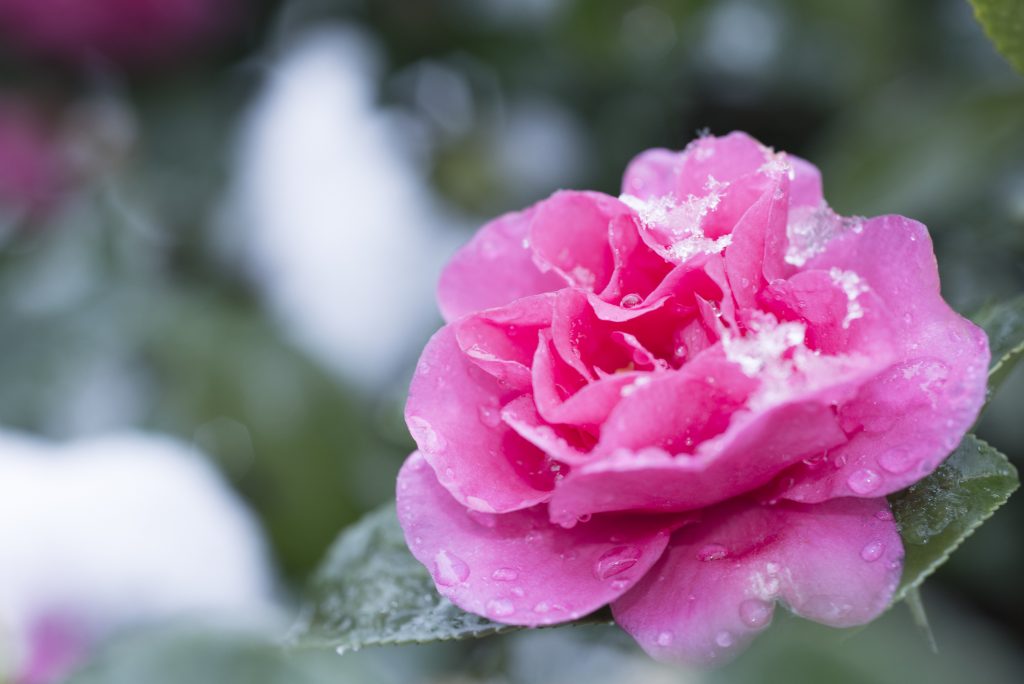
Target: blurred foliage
x=122, y=307
x=1004, y=22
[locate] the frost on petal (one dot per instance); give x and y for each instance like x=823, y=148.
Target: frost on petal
x=496, y=267
x=715, y=587
x=516, y=567
x=453, y=413
x=674, y=227
x=776, y=354
x=810, y=229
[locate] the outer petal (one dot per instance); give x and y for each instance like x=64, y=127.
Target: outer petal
x=837, y=563
x=454, y=414
x=805, y=187
x=517, y=568
x=652, y=173
x=493, y=269
x=907, y=419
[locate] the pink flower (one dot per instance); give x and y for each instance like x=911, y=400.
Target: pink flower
x=131, y=32
x=34, y=168
x=688, y=402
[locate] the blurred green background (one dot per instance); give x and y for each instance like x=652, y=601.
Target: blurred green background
x=135, y=297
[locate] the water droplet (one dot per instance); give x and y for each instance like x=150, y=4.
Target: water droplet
x=884, y=514
x=542, y=607
x=489, y=416
x=631, y=301
x=620, y=584
x=504, y=575
x=864, y=481
x=426, y=437
x=449, y=474
x=616, y=561
x=723, y=639
x=755, y=613
x=872, y=551
x=488, y=520
x=665, y=639
x=518, y=591
x=772, y=568
x=712, y=552
x=585, y=517
x=449, y=569
x=499, y=608
x=897, y=460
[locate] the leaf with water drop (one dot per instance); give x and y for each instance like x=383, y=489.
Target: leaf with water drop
x=1004, y=325
x=1003, y=21
x=370, y=591
x=939, y=512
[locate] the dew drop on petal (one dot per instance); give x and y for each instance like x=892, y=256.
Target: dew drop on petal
x=665, y=639
x=872, y=551
x=542, y=607
x=504, y=575
x=711, y=552
x=884, y=514
x=489, y=416
x=488, y=520
x=631, y=301
x=449, y=569
x=864, y=481
x=724, y=639
x=897, y=461
x=500, y=608
x=755, y=613
x=616, y=561
x=425, y=435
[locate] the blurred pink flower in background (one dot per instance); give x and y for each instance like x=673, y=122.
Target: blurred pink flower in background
x=688, y=401
x=110, y=532
x=129, y=32
x=34, y=169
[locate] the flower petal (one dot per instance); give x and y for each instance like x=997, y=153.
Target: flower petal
x=570, y=235
x=908, y=418
x=517, y=568
x=714, y=589
x=503, y=341
x=454, y=414
x=496, y=267
x=753, y=450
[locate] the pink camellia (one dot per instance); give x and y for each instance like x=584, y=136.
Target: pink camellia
x=129, y=32
x=688, y=401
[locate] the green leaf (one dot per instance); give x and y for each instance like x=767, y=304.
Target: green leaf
x=371, y=591
x=1003, y=21
x=1004, y=325
x=939, y=512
